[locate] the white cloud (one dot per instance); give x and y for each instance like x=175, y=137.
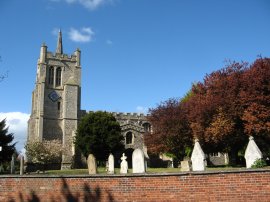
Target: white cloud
x=89, y=4
x=87, y=30
x=83, y=35
x=17, y=123
x=109, y=42
x=141, y=109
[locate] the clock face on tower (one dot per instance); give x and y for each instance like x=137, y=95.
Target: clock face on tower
x=54, y=96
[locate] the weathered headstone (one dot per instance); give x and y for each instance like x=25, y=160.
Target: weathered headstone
x=252, y=152
x=111, y=164
x=198, y=157
x=185, y=165
x=92, y=166
x=12, y=165
x=146, y=157
x=123, y=165
x=21, y=165
x=138, y=165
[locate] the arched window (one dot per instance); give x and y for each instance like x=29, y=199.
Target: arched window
x=129, y=138
x=58, y=76
x=51, y=75
x=147, y=127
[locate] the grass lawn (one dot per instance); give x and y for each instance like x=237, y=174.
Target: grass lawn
x=102, y=170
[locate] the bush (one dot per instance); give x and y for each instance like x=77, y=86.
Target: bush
x=259, y=163
x=47, y=151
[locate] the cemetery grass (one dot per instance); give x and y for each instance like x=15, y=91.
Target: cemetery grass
x=102, y=170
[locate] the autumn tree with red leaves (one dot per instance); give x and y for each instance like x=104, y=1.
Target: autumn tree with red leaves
x=255, y=99
x=171, y=133
x=215, y=111
x=221, y=112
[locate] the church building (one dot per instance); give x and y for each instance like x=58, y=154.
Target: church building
x=56, y=104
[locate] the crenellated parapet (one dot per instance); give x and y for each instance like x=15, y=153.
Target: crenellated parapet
x=122, y=115
x=129, y=114
x=137, y=116
x=58, y=56
x=127, y=119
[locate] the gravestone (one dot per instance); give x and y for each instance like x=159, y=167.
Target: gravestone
x=92, y=166
x=123, y=165
x=12, y=165
x=252, y=152
x=185, y=165
x=138, y=165
x=198, y=157
x=146, y=157
x=21, y=165
x=111, y=164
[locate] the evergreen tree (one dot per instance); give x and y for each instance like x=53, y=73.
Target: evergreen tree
x=100, y=134
x=5, y=143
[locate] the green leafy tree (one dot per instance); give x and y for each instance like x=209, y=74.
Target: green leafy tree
x=6, y=143
x=99, y=133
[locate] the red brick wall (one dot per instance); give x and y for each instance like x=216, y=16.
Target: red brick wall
x=208, y=186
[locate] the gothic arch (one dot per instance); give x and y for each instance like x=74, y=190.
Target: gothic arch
x=129, y=138
x=146, y=127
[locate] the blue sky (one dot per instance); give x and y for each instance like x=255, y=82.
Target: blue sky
x=135, y=53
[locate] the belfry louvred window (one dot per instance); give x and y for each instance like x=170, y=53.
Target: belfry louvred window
x=58, y=76
x=51, y=75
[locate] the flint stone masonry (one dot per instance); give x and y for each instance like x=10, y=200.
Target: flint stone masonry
x=137, y=124
x=198, y=157
x=250, y=185
x=138, y=165
x=252, y=153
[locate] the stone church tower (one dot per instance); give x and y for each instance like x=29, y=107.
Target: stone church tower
x=56, y=98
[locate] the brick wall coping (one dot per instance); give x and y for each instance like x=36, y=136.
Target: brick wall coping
x=131, y=175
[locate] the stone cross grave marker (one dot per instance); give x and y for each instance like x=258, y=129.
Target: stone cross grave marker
x=111, y=164
x=198, y=157
x=92, y=166
x=123, y=165
x=138, y=165
x=252, y=153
